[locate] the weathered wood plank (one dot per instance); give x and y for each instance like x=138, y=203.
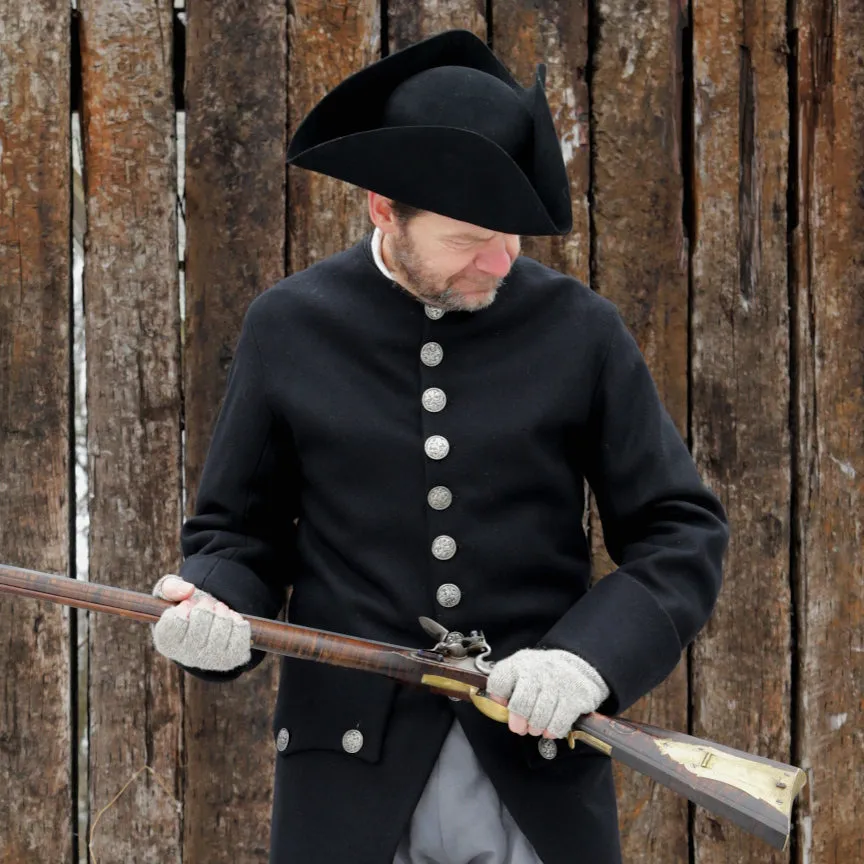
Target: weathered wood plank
x=409, y=21
x=641, y=264
x=35, y=276
x=829, y=334
x=133, y=423
x=528, y=33
x=328, y=42
x=236, y=92
x=740, y=377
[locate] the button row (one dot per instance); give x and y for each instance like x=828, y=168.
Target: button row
x=352, y=740
x=437, y=447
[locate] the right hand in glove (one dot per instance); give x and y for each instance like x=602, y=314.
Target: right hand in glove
x=200, y=631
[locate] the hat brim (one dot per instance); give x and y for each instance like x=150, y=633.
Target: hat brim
x=426, y=166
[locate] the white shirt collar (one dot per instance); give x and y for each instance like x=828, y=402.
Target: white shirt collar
x=377, y=237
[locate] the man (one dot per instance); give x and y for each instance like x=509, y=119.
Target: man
x=427, y=405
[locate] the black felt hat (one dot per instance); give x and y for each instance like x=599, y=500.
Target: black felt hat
x=443, y=126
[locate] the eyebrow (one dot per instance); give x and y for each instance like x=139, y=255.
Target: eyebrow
x=465, y=236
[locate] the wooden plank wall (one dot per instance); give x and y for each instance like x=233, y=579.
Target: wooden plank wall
x=715, y=153
x=236, y=95
x=828, y=342
x=132, y=321
x=37, y=740
x=640, y=262
x=741, y=687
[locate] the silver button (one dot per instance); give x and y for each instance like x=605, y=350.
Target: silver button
x=443, y=547
x=431, y=353
x=434, y=399
x=282, y=739
x=439, y=497
x=436, y=446
x=454, y=698
x=548, y=748
x=433, y=312
x=448, y=595
x=352, y=740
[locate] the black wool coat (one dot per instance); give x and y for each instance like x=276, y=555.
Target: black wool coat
x=323, y=421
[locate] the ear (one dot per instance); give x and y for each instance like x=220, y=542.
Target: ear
x=381, y=213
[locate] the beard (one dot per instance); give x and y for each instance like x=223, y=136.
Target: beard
x=426, y=285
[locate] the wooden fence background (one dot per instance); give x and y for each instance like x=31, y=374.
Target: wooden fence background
x=716, y=154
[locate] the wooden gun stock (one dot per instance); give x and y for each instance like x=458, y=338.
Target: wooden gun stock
x=753, y=792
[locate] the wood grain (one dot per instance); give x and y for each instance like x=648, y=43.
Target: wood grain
x=133, y=425
x=36, y=739
x=328, y=42
x=236, y=93
x=555, y=33
x=410, y=21
x=828, y=304
x=740, y=379
x=641, y=263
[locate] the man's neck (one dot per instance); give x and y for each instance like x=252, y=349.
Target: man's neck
x=388, y=262
x=386, y=258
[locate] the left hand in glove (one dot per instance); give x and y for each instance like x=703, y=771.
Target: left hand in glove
x=546, y=690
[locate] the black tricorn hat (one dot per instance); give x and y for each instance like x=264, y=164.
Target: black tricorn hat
x=443, y=126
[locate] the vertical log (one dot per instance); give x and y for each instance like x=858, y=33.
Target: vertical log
x=641, y=264
x=528, y=33
x=828, y=304
x=328, y=42
x=236, y=95
x=133, y=429
x=409, y=21
x=740, y=377
x=35, y=275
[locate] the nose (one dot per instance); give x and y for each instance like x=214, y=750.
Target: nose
x=497, y=260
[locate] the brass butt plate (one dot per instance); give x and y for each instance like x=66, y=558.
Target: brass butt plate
x=776, y=787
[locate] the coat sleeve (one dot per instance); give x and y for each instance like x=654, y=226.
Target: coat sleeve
x=240, y=543
x=664, y=529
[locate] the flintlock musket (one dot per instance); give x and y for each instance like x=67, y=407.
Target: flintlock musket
x=755, y=793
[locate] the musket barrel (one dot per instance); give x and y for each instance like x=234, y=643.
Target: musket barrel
x=753, y=792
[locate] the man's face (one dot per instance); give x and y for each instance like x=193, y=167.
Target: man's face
x=448, y=263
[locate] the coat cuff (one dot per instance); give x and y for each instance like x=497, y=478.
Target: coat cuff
x=238, y=588
x=633, y=655
x=232, y=583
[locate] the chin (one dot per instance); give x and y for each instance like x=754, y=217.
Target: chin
x=474, y=302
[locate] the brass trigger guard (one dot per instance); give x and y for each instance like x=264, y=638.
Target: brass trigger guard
x=495, y=711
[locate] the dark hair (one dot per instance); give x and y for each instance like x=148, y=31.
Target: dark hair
x=404, y=212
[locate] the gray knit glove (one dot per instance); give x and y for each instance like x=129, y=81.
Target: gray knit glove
x=201, y=631
x=549, y=687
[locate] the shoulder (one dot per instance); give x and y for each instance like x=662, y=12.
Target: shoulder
x=316, y=291
x=549, y=293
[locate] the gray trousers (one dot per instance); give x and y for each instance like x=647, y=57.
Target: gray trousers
x=459, y=818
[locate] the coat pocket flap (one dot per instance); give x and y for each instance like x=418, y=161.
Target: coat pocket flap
x=321, y=707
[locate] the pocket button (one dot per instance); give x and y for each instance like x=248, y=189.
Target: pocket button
x=282, y=739
x=352, y=741
x=548, y=748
